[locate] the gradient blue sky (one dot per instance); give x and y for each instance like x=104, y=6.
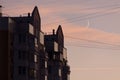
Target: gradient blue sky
x=96, y=20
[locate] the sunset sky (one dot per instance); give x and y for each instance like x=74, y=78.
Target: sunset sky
x=91, y=29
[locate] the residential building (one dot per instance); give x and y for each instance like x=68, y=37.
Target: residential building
x=27, y=54
x=58, y=68
x=22, y=48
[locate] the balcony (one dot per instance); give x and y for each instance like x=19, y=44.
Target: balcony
x=58, y=56
x=51, y=46
x=55, y=46
x=45, y=64
x=35, y=58
x=36, y=43
x=68, y=77
x=61, y=57
x=31, y=29
x=65, y=53
x=42, y=38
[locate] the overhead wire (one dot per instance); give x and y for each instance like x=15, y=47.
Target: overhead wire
x=101, y=44
x=100, y=7
x=88, y=46
x=92, y=15
x=84, y=9
x=55, y=17
x=111, y=5
x=74, y=18
x=92, y=41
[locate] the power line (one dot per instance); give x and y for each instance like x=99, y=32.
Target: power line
x=84, y=15
x=91, y=8
x=87, y=46
x=99, y=7
x=106, y=6
x=81, y=2
x=74, y=2
x=92, y=41
x=92, y=15
x=80, y=19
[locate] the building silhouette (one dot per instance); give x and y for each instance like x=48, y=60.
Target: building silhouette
x=27, y=54
x=58, y=68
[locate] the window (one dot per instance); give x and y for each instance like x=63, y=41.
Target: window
x=32, y=73
x=22, y=70
x=59, y=72
x=45, y=77
x=49, y=69
x=61, y=57
x=68, y=77
x=45, y=64
x=35, y=58
x=65, y=53
x=41, y=38
x=36, y=44
x=31, y=29
x=22, y=38
x=54, y=56
x=55, y=46
x=22, y=55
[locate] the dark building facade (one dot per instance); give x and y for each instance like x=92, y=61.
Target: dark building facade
x=22, y=48
x=58, y=68
x=27, y=54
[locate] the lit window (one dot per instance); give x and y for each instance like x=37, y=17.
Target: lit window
x=31, y=30
x=59, y=72
x=61, y=57
x=55, y=46
x=65, y=53
x=35, y=58
x=36, y=44
x=45, y=77
x=45, y=64
x=41, y=38
x=68, y=76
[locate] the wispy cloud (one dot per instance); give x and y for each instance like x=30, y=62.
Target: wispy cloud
x=92, y=34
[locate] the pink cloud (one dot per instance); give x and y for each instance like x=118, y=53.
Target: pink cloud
x=93, y=34
x=18, y=10
x=85, y=33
